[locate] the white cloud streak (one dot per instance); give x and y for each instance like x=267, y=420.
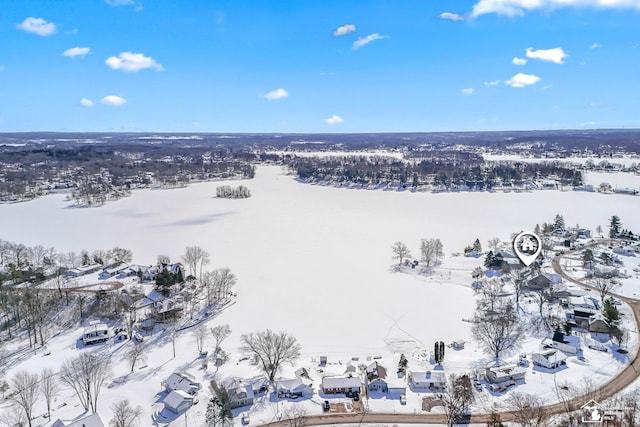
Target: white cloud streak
x=76, y=51
x=518, y=61
x=451, y=16
x=595, y=46
x=468, y=91
x=86, y=102
x=555, y=55
x=113, y=100
x=132, y=62
x=519, y=7
x=362, y=41
x=522, y=80
x=276, y=94
x=335, y=119
x=37, y=26
x=492, y=83
x=344, y=30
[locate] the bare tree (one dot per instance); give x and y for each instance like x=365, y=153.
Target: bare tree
x=541, y=296
x=604, y=287
x=49, y=387
x=136, y=354
x=163, y=259
x=224, y=280
x=220, y=333
x=492, y=291
x=25, y=386
x=218, y=409
x=121, y=255
x=86, y=375
x=528, y=409
x=194, y=256
x=14, y=416
x=493, y=243
x=457, y=399
x=295, y=416
x=270, y=349
x=124, y=415
x=498, y=331
x=400, y=252
x=200, y=333
x=432, y=251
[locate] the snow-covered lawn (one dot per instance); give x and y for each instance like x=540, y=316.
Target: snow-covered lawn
x=314, y=261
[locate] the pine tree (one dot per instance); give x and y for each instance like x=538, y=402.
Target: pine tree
x=477, y=247
x=614, y=226
x=610, y=313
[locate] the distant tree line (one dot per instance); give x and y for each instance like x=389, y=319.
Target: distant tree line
x=444, y=169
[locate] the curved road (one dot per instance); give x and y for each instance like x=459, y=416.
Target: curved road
x=609, y=389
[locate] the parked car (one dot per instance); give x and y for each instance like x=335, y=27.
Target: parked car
x=245, y=419
x=403, y=399
x=500, y=387
x=477, y=384
x=325, y=406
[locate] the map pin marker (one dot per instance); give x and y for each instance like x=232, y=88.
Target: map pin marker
x=527, y=246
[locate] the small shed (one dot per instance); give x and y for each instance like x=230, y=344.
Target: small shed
x=178, y=401
x=458, y=344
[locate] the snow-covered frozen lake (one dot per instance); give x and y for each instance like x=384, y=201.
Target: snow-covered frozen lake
x=316, y=260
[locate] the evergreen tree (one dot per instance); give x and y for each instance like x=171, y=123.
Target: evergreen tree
x=614, y=226
x=610, y=313
x=402, y=364
x=537, y=229
x=477, y=247
x=558, y=222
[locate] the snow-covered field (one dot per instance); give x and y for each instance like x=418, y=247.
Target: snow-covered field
x=314, y=261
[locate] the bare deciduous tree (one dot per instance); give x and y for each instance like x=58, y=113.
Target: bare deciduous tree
x=457, y=399
x=136, y=354
x=86, y=375
x=493, y=243
x=25, y=386
x=220, y=333
x=163, y=259
x=200, y=333
x=49, y=387
x=604, y=286
x=528, y=409
x=432, y=251
x=121, y=255
x=270, y=349
x=498, y=331
x=194, y=256
x=400, y=252
x=124, y=415
x=295, y=416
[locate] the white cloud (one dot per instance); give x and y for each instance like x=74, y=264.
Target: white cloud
x=334, y=120
x=468, y=91
x=519, y=7
x=555, y=55
x=87, y=102
x=276, y=94
x=37, y=26
x=492, y=83
x=366, y=40
x=518, y=61
x=113, y=100
x=119, y=2
x=344, y=30
x=76, y=51
x=128, y=61
x=522, y=80
x=451, y=16
x=595, y=46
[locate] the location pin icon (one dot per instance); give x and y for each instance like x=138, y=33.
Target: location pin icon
x=527, y=246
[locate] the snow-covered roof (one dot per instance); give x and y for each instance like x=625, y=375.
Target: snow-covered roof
x=340, y=382
x=428, y=376
x=553, y=356
x=176, y=397
x=92, y=420
x=291, y=384
x=183, y=382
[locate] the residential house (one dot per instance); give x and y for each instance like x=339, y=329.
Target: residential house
x=498, y=374
x=259, y=384
x=337, y=385
x=115, y=269
x=239, y=392
x=178, y=401
x=183, y=382
x=568, y=344
x=434, y=380
x=95, y=333
x=92, y=420
x=597, y=324
x=550, y=359
x=293, y=387
x=81, y=271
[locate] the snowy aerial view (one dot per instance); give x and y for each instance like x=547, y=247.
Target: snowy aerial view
x=319, y=213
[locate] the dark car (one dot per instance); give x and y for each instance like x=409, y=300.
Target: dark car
x=325, y=406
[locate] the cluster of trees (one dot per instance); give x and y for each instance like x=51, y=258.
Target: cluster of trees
x=96, y=173
x=448, y=168
x=431, y=251
x=228, y=192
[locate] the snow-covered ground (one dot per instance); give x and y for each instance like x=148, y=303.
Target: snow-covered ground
x=314, y=261
x=626, y=161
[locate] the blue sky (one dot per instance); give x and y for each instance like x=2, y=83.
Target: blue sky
x=318, y=66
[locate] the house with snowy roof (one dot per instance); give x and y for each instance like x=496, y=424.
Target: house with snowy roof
x=183, y=382
x=338, y=385
x=293, y=387
x=550, y=359
x=434, y=380
x=499, y=374
x=178, y=401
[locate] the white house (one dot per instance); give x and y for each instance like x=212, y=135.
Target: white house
x=435, y=380
x=292, y=387
x=96, y=332
x=568, y=344
x=391, y=385
x=178, y=401
x=550, y=359
x=336, y=385
x=183, y=382
x=498, y=374
x=239, y=391
x=92, y=420
x=81, y=271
